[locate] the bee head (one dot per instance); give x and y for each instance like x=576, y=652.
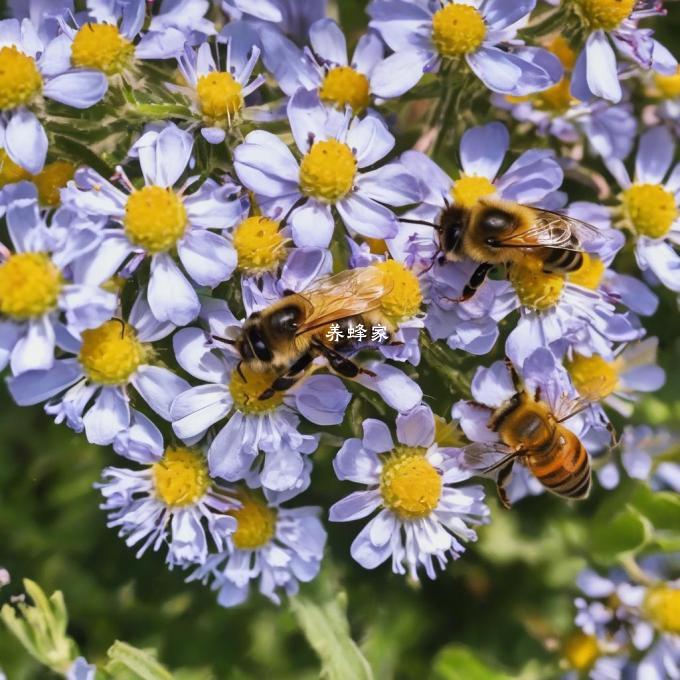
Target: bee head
x=284, y=322
x=252, y=344
x=450, y=227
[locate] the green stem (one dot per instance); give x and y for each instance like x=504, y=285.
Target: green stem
x=440, y=360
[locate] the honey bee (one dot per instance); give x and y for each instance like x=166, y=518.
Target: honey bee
x=497, y=232
x=290, y=333
x=532, y=435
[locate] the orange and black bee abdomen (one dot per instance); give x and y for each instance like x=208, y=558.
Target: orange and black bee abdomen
x=564, y=468
x=558, y=260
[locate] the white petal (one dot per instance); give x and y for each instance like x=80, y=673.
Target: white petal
x=171, y=296
x=107, y=416
x=26, y=141
x=158, y=387
x=208, y=258
x=80, y=88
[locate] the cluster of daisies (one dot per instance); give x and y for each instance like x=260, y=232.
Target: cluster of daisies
x=267, y=156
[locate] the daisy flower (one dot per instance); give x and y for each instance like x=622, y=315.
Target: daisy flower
x=335, y=151
x=648, y=206
x=90, y=389
x=37, y=282
x=325, y=67
x=422, y=512
x=426, y=36
x=30, y=73
x=545, y=380
x=170, y=502
x=218, y=94
x=611, y=24
x=159, y=220
x=532, y=179
x=276, y=546
x=665, y=91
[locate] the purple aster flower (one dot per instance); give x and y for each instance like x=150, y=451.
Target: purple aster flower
x=218, y=92
x=609, y=25
x=642, y=451
x=325, y=67
x=278, y=547
x=158, y=220
x=37, y=281
x=89, y=389
x=170, y=502
x=34, y=72
x=335, y=150
x=426, y=35
x=423, y=513
x=545, y=381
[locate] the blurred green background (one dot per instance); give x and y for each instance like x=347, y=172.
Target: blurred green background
x=508, y=600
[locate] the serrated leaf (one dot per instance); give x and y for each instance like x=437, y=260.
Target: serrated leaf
x=456, y=662
x=139, y=664
x=324, y=623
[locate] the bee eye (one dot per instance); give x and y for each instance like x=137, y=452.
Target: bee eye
x=497, y=221
x=285, y=320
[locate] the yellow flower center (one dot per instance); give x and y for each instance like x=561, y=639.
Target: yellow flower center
x=405, y=297
x=581, y=651
x=650, y=208
x=50, y=180
x=561, y=48
x=662, y=606
x=377, y=246
x=255, y=523
x=10, y=172
x=344, y=86
x=409, y=484
x=535, y=288
x=668, y=86
x=467, y=190
x=259, y=244
x=101, y=47
x=590, y=273
x=20, y=79
x=556, y=99
x=593, y=377
x=111, y=353
x=155, y=218
x=327, y=171
x=29, y=285
x=245, y=393
x=604, y=14
x=220, y=96
x=180, y=477
x=457, y=30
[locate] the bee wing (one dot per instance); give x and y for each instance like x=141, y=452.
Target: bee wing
x=568, y=406
x=486, y=456
x=554, y=230
x=337, y=297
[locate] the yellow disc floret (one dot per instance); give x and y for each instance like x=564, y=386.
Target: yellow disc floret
x=410, y=486
x=344, y=86
x=668, y=86
x=556, y=99
x=404, y=297
x=467, y=190
x=593, y=377
x=535, y=288
x=29, y=285
x=49, y=181
x=259, y=244
x=155, y=218
x=20, y=79
x=650, y=208
x=327, y=171
x=220, y=97
x=180, y=477
x=662, y=606
x=457, y=30
x=111, y=353
x=604, y=14
x=561, y=48
x=255, y=522
x=10, y=172
x=581, y=651
x=101, y=47
x=590, y=273
x=246, y=390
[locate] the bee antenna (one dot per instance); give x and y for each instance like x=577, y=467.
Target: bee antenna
x=295, y=205
x=122, y=325
x=240, y=371
x=425, y=222
x=227, y=341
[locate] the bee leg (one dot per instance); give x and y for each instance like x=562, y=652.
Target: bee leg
x=340, y=363
x=502, y=481
x=516, y=380
x=284, y=382
x=476, y=280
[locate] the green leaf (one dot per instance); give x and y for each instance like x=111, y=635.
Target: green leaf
x=456, y=662
x=626, y=532
x=126, y=661
x=661, y=508
x=324, y=622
